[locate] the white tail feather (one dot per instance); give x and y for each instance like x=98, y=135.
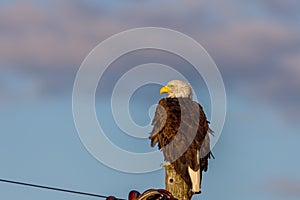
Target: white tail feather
x=195, y=176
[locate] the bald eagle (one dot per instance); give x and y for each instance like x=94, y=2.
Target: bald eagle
x=181, y=131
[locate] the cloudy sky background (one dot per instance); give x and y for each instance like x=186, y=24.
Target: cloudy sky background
x=255, y=44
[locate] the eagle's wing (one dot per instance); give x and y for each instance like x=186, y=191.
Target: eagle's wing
x=158, y=122
x=202, y=139
x=178, y=125
x=166, y=124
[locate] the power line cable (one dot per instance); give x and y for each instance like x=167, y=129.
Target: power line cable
x=55, y=189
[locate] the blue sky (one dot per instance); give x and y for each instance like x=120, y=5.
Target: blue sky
x=255, y=44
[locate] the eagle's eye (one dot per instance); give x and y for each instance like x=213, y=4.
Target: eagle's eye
x=171, y=86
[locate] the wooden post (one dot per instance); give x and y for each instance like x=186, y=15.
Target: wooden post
x=176, y=185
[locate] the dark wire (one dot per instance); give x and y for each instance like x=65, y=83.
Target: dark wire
x=55, y=189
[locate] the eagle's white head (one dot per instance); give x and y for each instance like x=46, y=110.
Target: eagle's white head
x=177, y=88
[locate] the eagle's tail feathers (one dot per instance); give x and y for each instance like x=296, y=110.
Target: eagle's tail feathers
x=195, y=179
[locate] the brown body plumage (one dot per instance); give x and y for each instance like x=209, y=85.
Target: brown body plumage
x=181, y=130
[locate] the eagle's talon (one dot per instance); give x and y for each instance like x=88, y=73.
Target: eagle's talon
x=166, y=164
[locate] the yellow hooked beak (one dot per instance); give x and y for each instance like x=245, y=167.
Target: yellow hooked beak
x=165, y=89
